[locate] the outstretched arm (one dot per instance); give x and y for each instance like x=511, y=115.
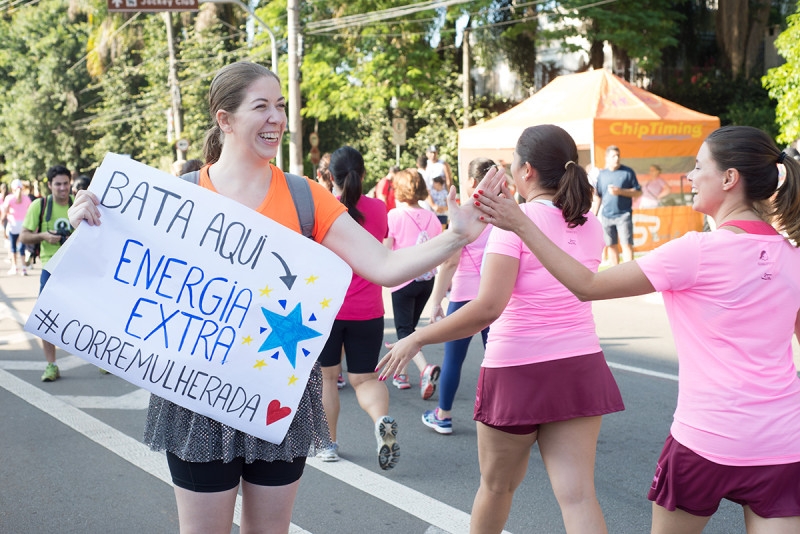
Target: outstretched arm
x=624, y=280
x=371, y=260
x=497, y=283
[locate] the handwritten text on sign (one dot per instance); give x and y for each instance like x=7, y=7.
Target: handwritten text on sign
x=191, y=296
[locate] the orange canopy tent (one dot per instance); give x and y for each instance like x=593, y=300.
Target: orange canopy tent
x=598, y=109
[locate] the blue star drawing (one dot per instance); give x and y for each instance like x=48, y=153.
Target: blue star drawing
x=287, y=332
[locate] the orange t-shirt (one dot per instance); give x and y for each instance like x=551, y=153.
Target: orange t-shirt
x=279, y=206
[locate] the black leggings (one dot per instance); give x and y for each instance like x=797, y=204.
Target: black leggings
x=408, y=303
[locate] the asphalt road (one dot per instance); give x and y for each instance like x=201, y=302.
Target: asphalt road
x=71, y=459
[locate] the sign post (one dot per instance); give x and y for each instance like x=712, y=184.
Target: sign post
x=398, y=136
x=153, y=6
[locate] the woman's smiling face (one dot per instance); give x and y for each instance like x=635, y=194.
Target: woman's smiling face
x=706, y=179
x=260, y=120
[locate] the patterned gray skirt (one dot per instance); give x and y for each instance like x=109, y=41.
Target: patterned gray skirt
x=196, y=438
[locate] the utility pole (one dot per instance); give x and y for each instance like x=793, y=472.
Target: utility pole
x=465, y=92
x=295, y=120
x=174, y=88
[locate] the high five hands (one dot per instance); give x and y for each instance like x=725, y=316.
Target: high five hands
x=500, y=210
x=470, y=220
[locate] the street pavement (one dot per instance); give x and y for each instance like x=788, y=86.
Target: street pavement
x=71, y=458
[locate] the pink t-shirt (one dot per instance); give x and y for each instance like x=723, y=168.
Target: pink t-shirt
x=543, y=321
x=364, y=300
x=467, y=277
x=405, y=225
x=732, y=301
x=15, y=212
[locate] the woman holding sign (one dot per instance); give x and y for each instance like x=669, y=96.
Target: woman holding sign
x=209, y=460
x=733, y=300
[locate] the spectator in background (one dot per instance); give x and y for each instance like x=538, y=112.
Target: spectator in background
x=616, y=188
x=359, y=325
x=438, y=167
x=460, y=274
x=80, y=183
x=13, y=210
x=422, y=163
x=385, y=188
x=654, y=189
x=437, y=200
x=191, y=166
x=49, y=234
x=324, y=177
x=177, y=166
x=409, y=225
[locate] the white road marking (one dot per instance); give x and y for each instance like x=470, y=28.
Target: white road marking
x=135, y=400
x=67, y=363
x=66, y=409
x=414, y=503
x=639, y=370
x=7, y=312
x=104, y=435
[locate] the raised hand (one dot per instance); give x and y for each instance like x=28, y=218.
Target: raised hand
x=398, y=357
x=500, y=210
x=84, y=209
x=465, y=219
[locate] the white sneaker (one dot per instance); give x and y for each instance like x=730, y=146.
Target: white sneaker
x=386, y=435
x=331, y=454
x=13, y=270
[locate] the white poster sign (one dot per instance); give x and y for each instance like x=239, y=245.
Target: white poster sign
x=193, y=297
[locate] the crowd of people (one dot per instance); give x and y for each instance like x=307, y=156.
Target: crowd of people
x=518, y=262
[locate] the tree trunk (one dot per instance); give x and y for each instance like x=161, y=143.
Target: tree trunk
x=759, y=17
x=596, y=57
x=732, y=26
x=740, y=31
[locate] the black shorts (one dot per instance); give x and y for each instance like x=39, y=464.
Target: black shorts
x=362, y=342
x=210, y=477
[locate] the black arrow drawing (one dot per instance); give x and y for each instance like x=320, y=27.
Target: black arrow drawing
x=288, y=278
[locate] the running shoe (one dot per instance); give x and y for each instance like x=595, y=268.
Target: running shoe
x=340, y=382
x=12, y=270
x=401, y=382
x=388, y=449
x=51, y=373
x=428, y=379
x=331, y=454
x=442, y=426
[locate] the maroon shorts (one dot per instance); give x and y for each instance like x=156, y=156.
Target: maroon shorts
x=518, y=399
x=686, y=480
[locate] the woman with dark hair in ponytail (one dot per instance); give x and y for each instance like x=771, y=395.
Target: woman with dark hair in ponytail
x=544, y=377
x=733, y=301
x=358, y=328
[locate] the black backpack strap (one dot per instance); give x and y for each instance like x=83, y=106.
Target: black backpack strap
x=42, y=207
x=49, y=204
x=303, y=202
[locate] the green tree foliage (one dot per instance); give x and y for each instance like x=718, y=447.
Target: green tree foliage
x=637, y=29
x=44, y=90
x=783, y=82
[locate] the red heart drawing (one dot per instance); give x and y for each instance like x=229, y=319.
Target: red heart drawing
x=275, y=412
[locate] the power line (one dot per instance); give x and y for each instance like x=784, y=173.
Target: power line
x=374, y=16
